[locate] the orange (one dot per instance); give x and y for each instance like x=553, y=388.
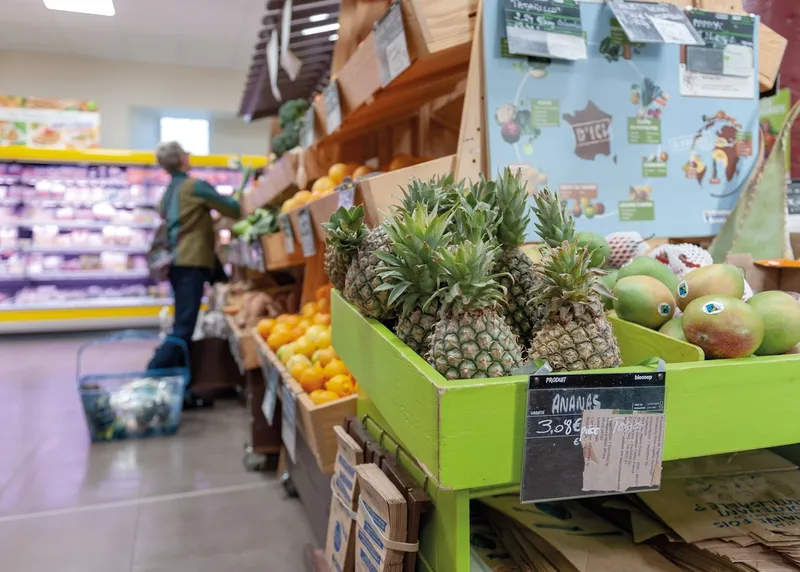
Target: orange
x=401, y=162
x=321, y=396
x=324, y=292
x=277, y=339
x=324, y=306
x=309, y=309
x=317, y=195
x=324, y=356
x=297, y=332
x=361, y=171
x=335, y=367
x=264, y=327
x=285, y=352
x=338, y=172
x=323, y=340
x=341, y=385
x=289, y=205
x=323, y=319
x=302, y=197
x=290, y=319
x=313, y=332
x=298, y=364
x=323, y=184
x=312, y=378
x=303, y=345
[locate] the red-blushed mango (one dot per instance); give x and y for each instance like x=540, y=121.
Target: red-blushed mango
x=720, y=279
x=781, y=315
x=723, y=327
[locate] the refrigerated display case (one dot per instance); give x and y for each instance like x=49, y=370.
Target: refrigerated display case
x=75, y=227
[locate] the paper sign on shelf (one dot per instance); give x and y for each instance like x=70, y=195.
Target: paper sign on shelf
x=333, y=107
x=729, y=44
x=290, y=63
x=347, y=194
x=271, y=395
x=545, y=28
x=590, y=434
x=289, y=421
x=308, y=127
x=648, y=23
x=306, y=228
x=288, y=236
x=391, y=45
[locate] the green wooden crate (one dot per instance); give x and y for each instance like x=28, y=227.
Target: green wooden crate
x=468, y=434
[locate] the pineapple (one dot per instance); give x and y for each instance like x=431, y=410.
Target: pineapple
x=362, y=279
x=436, y=191
x=345, y=233
x=472, y=339
x=475, y=216
x=553, y=223
x=411, y=272
x=576, y=334
x=514, y=266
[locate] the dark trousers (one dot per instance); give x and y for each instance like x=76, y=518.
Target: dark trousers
x=187, y=287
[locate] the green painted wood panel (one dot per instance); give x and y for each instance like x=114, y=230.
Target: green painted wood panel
x=637, y=343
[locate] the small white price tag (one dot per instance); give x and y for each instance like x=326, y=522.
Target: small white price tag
x=289, y=421
x=391, y=44
x=271, y=394
x=288, y=235
x=346, y=197
x=333, y=107
x=308, y=127
x=306, y=228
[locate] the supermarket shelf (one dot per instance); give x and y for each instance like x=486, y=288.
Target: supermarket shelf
x=119, y=157
x=87, y=224
x=144, y=302
x=89, y=275
x=468, y=432
x=82, y=249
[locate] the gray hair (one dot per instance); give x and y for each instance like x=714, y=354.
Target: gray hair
x=170, y=156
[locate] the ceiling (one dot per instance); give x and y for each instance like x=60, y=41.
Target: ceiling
x=205, y=33
x=315, y=51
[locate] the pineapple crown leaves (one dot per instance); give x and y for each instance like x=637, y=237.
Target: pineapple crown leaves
x=435, y=191
x=410, y=270
x=474, y=216
x=554, y=224
x=468, y=285
x=511, y=199
x=345, y=229
x=569, y=285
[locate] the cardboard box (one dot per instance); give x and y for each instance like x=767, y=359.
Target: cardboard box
x=764, y=275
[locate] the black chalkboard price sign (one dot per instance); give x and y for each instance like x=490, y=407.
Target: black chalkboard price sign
x=793, y=197
x=592, y=434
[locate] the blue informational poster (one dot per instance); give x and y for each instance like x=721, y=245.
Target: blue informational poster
x=629, y=138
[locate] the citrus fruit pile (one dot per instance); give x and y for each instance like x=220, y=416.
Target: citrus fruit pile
x=303, y=344
x=325, y=185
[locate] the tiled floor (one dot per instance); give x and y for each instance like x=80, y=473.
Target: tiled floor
x=176, y=504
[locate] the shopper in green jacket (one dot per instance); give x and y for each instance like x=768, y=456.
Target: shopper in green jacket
x=186, y=207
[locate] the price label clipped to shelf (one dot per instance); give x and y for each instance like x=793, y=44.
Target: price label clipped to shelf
x=333, y=107
x=655, y=23
x=288, y=236
x=593, y=434
x=391, y=45
x=347, y=194
x=308, y=127
x=289, y=421
x=793, y=197
x=306, y=232
x=271, y=377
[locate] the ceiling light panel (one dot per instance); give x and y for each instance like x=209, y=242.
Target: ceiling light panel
x=319, y=29
x=318, y=17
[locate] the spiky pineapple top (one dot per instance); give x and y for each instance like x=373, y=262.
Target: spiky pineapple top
x=345, y=230
x=437, y=190
x=411, y=270
x=345, y=233
x=570, y=287
x=553, y=223
x=475, y=217
x=511, y=198
x=468, y=283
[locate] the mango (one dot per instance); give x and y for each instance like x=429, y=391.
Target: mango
x=781, y=315
x=597, y=245
x=674, y=328
x=723, y=326
x=646, y=266
x=720, y=279
x=643, y=300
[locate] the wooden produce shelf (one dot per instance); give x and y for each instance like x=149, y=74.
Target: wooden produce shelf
x=243, y=349
x=278, y=183
x=468, y=433
x=439, y=35
x=275, y=255
x=314, y=422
